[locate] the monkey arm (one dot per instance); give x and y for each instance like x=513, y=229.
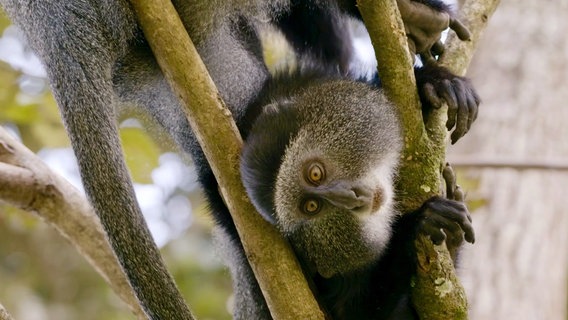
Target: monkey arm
x=323, y=31
x=424, y=21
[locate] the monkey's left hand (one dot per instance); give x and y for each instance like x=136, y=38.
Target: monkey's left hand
x=448, y=214
x=424, y=21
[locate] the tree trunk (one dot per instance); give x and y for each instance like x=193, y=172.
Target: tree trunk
x=518, y=268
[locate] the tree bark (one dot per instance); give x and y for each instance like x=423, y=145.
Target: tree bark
x=518, y=268
x=437, y=293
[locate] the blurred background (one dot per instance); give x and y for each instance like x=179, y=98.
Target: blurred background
x=41, y=275
x=513, y=165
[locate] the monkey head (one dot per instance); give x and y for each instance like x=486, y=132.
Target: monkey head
x=320, y=164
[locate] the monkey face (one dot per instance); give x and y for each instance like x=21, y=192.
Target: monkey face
x=338, y=216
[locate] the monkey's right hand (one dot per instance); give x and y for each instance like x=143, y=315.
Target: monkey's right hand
x=424, y=21
x=448, y=214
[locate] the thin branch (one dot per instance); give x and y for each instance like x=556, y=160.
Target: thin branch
x=507, y=163
x=278, y=272
x=27, y=183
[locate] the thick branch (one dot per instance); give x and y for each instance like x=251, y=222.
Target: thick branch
x=279, y=275
x=419, y=174
x=27, y=183
x=437, y=293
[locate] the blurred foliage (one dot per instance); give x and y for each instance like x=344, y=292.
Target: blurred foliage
x=36, y=117
x=44, y=277
x=141, y=153
x=469, y=180
x=41, y=274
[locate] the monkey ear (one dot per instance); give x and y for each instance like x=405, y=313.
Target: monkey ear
x=263, y=151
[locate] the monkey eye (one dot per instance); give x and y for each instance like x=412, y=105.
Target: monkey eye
x=311, y=206
x=315, y=173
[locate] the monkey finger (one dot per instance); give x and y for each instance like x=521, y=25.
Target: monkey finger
x=462, y=117
x=473, y=107
x=453, y=211
x=459, y=195
x=469, y=234
x=427, y=58
x=431, y=95
x=450, y=181
x=438, y=48
x=443, y=222
x=459, y=132
x=439, y=228
x=450, y=98
x=460, y=29
x=436, y=234
x=463, y=219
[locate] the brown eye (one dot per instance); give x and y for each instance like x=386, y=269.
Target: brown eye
x=316, y=173
x=311, y=206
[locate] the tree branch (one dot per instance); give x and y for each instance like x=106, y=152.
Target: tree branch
x=27, y=183
x=278, y=272
x=4, y=315
x=416, y=181
x=509, y=163
x=437, y=293
x=475, y=15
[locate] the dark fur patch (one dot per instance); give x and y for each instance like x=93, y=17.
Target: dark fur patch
x=262, y=155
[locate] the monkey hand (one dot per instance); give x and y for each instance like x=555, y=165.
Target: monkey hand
x=424, y=21
x=447, y=218
x=438, y=86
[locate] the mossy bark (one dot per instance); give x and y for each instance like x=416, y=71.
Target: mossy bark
x=437, y=293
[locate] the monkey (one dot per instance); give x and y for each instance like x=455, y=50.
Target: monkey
x=300, y=132
x=324, y=176
x=308, y=167
x=98, y=63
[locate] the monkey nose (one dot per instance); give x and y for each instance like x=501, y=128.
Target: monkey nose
x=347, y=195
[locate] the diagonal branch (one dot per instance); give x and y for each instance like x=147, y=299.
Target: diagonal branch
x=27, y=183
x=278, y=272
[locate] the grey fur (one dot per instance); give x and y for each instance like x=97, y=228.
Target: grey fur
x=97, y=60
x=248, y=300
